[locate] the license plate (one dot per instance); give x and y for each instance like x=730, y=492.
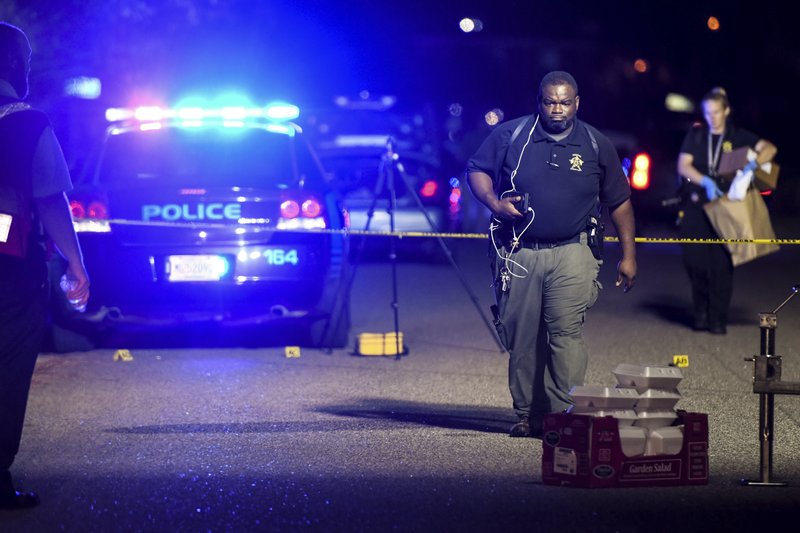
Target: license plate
x=196, y=267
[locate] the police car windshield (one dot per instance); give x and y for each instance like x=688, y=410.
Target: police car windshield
x=369, y=128
x=204, y=157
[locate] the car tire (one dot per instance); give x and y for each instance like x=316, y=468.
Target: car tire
x=64, y=340
x=330, y=324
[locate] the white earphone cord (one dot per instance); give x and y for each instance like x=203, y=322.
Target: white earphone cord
x=496, y=223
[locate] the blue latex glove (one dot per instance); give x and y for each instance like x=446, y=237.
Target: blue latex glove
x=711, y=187
x=750, y=167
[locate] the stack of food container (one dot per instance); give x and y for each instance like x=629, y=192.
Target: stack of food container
x=658, y=393
x=643, y=402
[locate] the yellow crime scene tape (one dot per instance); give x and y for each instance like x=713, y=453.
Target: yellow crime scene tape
x=260, y=228
x=294, y=351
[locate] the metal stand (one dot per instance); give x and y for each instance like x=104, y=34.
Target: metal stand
x=448, y=254
x=767, y=383
x=390, y=161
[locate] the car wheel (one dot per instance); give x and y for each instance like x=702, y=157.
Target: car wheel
x=329, y=326
x=65, y=340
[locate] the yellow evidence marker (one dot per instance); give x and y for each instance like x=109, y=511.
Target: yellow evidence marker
x=123, y=355
x=292, y=351
x=681, y=361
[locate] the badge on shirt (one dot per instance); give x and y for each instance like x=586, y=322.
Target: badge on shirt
x=576, y=162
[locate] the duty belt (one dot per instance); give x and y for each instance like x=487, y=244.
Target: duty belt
x=539, y=245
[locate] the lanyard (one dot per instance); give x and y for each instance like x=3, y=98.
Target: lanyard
x=714, y=160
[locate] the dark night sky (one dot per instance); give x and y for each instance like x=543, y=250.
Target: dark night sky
x=310, y=50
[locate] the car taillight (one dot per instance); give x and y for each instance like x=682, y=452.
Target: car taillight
x=641, y=172
x=301, y=214
x=88, y=209
x=290, y=209
x=311, y=208
x=429, y=189
x=98, y=210
x=89, y=216
x=77, y=208
x=455, y=196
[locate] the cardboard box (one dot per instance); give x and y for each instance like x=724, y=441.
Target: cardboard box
x=766, y=175
x=586, y=451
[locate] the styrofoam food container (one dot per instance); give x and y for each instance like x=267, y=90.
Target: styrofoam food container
x=665, y=441
x=633, y=440
x=657, y=399
x=648, y=377
x=625, y=417
x=654, y=419
x=604, y=397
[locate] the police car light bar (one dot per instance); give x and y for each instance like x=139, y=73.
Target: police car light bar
x=276, y=111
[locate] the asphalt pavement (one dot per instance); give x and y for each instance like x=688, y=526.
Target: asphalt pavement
x=246, y=439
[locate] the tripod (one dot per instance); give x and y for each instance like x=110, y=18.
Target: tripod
x=390, y=162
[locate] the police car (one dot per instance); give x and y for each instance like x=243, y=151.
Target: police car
x=222, y=214
x=361, y=139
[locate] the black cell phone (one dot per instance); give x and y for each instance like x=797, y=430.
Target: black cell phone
x=520, y=205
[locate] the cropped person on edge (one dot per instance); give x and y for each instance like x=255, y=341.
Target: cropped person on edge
x=547, y=255
x=709, y=266
x=33, y=182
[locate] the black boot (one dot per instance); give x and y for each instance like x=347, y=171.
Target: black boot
x=10, y=499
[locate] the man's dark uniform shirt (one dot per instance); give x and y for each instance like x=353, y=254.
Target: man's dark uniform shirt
x=565, y=179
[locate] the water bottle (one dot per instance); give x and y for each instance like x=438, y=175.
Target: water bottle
x=68, y=284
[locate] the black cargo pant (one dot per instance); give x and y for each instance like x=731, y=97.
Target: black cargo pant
x=709, y=267
x=23, y=303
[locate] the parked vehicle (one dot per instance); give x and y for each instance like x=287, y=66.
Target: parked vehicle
x=215, y=215
x=362, y=139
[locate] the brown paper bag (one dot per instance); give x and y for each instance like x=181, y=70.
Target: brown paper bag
x=746, y=219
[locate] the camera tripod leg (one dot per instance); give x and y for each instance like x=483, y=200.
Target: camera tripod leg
x=390, y=162
x=388, y=169
x=449, y=255
x=385, y=179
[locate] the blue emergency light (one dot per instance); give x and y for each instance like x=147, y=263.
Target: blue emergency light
x=192, y=116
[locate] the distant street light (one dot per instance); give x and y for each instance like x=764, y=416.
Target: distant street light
x=469, y=25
